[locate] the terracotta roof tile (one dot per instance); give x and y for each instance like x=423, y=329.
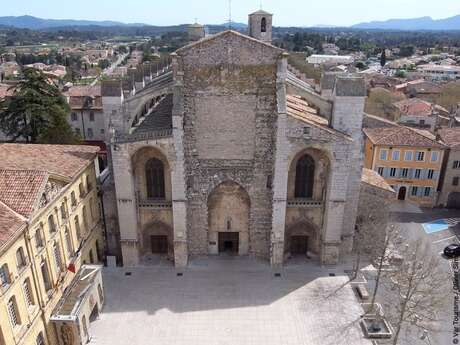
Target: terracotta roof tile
x=400, y=136
x=450, y=136
x=10, y=224
x=61, y=160
x=20, y=189
x=82, y=91
x=414, y=107
x=374, y=179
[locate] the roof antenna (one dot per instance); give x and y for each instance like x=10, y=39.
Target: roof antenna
x=230, y=14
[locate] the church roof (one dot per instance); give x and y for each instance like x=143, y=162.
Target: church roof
x=222, y=34
x=261, y=12
x=160, y=117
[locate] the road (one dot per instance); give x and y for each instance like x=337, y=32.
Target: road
x=410, y=220
x=109, y=70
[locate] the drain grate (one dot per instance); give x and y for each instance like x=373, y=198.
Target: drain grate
x=127, y=273
x=179, y=274
x=277, y=274
x=331, y=274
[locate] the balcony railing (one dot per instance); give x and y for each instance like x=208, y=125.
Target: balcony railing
x=157, y=204
x=304, y=203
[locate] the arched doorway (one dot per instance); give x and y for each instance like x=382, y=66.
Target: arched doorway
x=402, y=193
x=453, y=200
x=228, y=219
x=301, y=240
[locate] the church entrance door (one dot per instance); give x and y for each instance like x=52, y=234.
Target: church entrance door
x=159, y=244
x=228, y=242
x=299, y=245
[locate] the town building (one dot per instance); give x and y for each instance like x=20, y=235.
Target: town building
x=230, y=154
x=316, y=59
x=450, y=181
x=416, y=112
x=409, y=159
x=50, y=225
x=438, y=72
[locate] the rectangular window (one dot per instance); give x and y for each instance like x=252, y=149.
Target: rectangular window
x=46, y=276
x=20, y=258
x=383, y=154
x=408, y=156
x=404, y=173
x=91, y=116
x=57, y=257
x=68, y=240
x=430, y=174
x=380, y=171
x=395, y=155
x=74, y=117
x=456, y=165
x=102, y=131
x=418, y=173
x=39, y=238
x=414, y=191
x=90, y=132
x=13, y=312
x=51, y=224
x=427, y=191
x=28, y=293
x=392, y=172
x=455, y=181
x=420, y=156
x=40, y=339
x=4, y=275
x=434, y=156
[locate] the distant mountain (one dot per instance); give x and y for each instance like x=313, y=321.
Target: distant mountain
x=423, y=23
x=238, y=26
x=34, y=23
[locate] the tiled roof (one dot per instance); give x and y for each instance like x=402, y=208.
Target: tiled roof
x=82, y=91
x=450, y=136
x=414, y=107
x=400, y=136
x=61, y=160
x=374, y=179
x=10, y=224
x=20, y=189
x=373, y=121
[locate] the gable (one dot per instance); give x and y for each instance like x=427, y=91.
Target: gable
x=229, y=47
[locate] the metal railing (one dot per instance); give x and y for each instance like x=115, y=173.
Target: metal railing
x=143, y=136
x=158, y=204
x=304, y=203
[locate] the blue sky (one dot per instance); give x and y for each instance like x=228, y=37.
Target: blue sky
x=287, y=12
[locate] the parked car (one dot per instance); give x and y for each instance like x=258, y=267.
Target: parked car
x=452, y=251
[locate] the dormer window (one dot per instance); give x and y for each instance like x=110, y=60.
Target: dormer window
x=263, y=25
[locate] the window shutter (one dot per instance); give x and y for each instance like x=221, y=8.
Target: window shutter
x=420, y=191
x=411, y=173
x=435, y=175
x=386, y=172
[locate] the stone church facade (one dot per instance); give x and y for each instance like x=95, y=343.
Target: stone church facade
x=229, y=153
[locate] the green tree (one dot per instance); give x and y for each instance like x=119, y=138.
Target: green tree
x=36, y=112
x=383, y=58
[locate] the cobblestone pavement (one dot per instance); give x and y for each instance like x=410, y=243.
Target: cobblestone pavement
x=228, y=301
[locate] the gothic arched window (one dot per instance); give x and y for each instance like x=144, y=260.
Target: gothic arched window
x=263, y=25
x=304, y=177
x=155, y=178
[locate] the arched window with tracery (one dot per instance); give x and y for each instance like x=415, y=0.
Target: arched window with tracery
x=304, y=177
x=263, y=25
x=155, y=179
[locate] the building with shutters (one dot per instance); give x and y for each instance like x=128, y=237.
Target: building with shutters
x=410, y=160
x=50, y=225
x=450, y=181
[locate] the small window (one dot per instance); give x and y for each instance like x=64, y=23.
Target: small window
x=306, y=130
x=89, y=185
x=73, y=199
x=74, y=117
x=427, y=191
x=46, y=276
x=418, y=173
x=39, y=243
x=63, y=212
x=414, y=191
x=40, y=339
x=395, y=155
x=91, y=116
x=20, y=258
x=430, y=174
x=90, y=132
x=4, y=275
x=380, y=171
x=51, y=224
x=57, y=257
x=404, y=172
x=455, y=181
x=263, y=25
x=408, y=156
x=420, y=156
x=102, y=131
x=78, y=131
x=383, y=154
x=434, y=156
x=81, y=189
x=392, y=172
x=77, y=228
x=91, y=256
x=68, y=239
x=456, y=165
x=13, y=312
x=28, y=292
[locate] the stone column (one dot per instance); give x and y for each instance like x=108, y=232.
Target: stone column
x=126, y=204
x=178, y=173
x=281, y=169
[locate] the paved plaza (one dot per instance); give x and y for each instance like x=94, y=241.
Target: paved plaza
x=227, y=301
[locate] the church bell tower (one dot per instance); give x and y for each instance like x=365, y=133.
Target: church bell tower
x=260, y=26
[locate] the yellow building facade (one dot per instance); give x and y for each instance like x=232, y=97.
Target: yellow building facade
x=50, y=225
x=410, y=161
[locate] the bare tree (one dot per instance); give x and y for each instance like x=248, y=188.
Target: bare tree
x=420, y=288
